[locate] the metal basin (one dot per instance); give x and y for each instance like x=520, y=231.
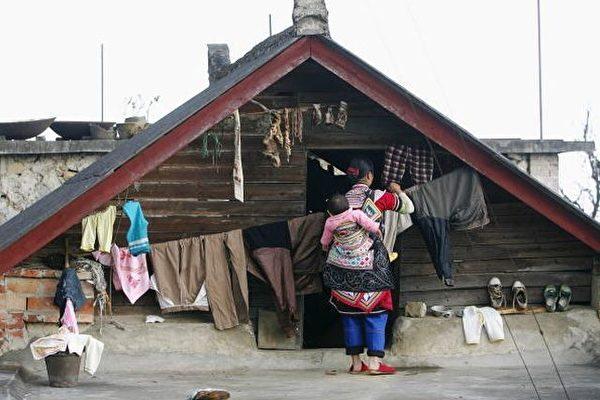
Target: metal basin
x=75, y=130
x=21, y=130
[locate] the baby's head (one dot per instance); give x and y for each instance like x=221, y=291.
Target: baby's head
x=337, y=204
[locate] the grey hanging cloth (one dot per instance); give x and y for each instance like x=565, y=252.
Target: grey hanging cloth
x=453, y=201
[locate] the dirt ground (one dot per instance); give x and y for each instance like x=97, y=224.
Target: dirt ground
x=582, y=383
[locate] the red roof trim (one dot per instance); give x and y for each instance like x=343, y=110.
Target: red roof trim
x=155, y=154
x=446, y=136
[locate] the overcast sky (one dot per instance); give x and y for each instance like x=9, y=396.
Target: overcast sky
x=474, y=60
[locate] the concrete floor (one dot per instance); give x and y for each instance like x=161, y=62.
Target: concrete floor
x=436, y=383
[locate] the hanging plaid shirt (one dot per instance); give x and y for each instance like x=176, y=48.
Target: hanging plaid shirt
x=418, y=160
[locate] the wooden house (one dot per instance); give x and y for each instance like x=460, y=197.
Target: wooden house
x=535, y=236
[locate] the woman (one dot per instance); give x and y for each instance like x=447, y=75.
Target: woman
x=362, y=295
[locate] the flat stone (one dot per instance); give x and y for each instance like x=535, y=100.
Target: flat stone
x=415, y=309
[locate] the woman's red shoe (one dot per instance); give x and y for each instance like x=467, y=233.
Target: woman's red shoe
x=383, y=369
x=363, y=369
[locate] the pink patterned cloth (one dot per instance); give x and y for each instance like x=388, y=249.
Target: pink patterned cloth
x=130, y=273
x=69, y=319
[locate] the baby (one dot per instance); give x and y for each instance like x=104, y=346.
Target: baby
x=348, y=229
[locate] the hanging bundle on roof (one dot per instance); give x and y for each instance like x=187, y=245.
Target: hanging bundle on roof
x=217, y=147
x=273, y=138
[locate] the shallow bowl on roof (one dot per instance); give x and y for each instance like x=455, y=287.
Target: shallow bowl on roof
x=76, y=130
x=21, y=130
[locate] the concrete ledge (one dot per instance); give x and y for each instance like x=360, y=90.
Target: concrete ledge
x=573, y=337
x=25, y=147
x=538, y=146
x=431, y=341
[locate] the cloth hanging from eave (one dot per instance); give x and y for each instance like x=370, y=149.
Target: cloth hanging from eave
x=270, y=246
x=180, y=272
x=217, y=263
x=452, y=201
x=397, y=158
x=137, y=235
x=69, y=320
x=130, y=273
x=307, y=257
x=69, y=287
x=98, y=225
x=238, y=170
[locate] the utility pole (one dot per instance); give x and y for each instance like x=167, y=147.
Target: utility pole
x=102, y=82
x=270, y=27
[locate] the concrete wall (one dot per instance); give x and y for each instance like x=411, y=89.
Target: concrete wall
x=542, y=166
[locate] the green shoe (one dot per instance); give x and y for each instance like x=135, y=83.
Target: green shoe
x=564, y=300
x=550, y=296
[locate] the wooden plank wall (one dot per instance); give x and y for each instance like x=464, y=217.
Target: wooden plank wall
x=190, y=195
x=518, y=244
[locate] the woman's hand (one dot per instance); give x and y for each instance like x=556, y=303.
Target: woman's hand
x=325, y=248
x=394, y=188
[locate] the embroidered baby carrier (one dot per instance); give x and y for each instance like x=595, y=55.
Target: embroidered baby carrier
x=353, y=266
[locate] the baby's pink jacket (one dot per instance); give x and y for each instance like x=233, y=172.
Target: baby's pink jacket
x=335, y=221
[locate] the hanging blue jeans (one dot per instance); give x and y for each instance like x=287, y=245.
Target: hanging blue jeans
x=365, y=329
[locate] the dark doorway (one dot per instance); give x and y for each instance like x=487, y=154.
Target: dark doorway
x=325, y=177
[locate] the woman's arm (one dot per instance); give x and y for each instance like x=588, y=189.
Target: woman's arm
x=388, y=202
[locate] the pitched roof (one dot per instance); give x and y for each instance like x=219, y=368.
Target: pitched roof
x=241, y=81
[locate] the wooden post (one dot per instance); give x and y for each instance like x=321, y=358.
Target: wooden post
x=595, y=303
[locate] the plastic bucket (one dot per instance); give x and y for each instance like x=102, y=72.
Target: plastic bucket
x=63, y=369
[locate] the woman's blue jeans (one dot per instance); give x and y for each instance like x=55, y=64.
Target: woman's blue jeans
x=362, y=330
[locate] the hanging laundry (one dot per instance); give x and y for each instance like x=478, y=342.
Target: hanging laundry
x=130, y=273
x=179, y=272
x=273, y=138
x=395, y=223
x=69, y=320
x=137, y=236
x=474, y=318
x=98, y=225
x=69, y=287
x=452, y=201
x=183, y=267
x=397, y=158
x=307, y=257
x=270, y=246
x=342, y=117
x=238, y=170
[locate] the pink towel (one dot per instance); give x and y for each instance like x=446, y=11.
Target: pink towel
x=69, y=319
x=130, y=273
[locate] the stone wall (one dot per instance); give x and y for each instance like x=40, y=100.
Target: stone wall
x=26, y=178
x=542, y=166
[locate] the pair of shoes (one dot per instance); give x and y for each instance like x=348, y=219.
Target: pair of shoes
x=363, y=369
x=383, y=369
x=557, y=299
x=497, y=298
